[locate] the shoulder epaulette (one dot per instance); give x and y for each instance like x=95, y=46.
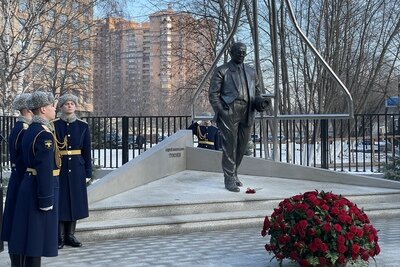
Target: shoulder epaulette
x=82, y=121
x=46, y=128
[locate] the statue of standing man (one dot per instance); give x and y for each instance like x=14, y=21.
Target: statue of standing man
x=234, y=95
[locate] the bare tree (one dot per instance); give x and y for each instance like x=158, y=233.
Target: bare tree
x=22, y=39
x=357, y=39
x=45, y=44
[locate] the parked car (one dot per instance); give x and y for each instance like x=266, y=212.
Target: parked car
x=113, y=140
x=377, y=146
x=255, y=138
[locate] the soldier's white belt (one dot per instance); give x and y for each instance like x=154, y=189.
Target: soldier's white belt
x=206, y=143
x=34, y=172
x=70, y=152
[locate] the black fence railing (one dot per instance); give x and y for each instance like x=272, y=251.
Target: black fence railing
x=361, y=144
x=116, y=140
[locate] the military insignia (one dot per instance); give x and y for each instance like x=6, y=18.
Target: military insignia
x=48, y=144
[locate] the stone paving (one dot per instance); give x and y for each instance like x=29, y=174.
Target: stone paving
x=235, y=247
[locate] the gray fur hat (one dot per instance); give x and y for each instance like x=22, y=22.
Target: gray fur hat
x=40, y=99
x=21, y=101
x=67, y=97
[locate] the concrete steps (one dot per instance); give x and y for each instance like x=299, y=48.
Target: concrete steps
x=156, y=219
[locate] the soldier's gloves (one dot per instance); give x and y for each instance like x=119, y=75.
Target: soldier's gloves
x=47, y=208
x=261, y=103
x=89, y=181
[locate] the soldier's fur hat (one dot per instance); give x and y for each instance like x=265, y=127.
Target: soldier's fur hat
x=67, y=97
x=40, y=99
x=21, y=101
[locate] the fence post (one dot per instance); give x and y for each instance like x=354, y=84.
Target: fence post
x=324, y=144
x=125, y=134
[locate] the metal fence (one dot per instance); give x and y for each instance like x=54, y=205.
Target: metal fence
x=362, y=144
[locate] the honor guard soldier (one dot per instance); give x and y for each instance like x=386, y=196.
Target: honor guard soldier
x=18, y=167
x=207, y=134
x=76, y=169
x=35, y=223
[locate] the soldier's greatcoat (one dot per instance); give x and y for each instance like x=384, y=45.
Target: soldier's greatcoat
x=35, y=231
x=76, y=166
x=207, y=136
x=18, y=169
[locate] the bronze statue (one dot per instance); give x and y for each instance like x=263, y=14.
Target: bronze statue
x=234, y=95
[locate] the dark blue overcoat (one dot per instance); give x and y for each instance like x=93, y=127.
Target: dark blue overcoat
x=208, y=136
x=75, y=168
x=35, y=232
x=17, y=173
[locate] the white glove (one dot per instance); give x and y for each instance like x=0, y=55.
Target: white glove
x=47, y=208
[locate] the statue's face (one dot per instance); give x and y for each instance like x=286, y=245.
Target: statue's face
x=238, y=53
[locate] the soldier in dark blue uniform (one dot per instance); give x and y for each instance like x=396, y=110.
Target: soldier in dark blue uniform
x=18, y=167
x=76, y=169
x=207, y=134
x=35, y=223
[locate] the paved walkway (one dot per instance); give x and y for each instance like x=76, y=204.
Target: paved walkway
x=236, y=247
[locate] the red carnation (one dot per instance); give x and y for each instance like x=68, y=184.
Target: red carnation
x=349, y=236
x=341, y=259
x=283, y=239
x=365, y=256
x=304, y=263
x=294, y=255
x=313, y=199
x=311, y=232
x=325, y=207
x=335, y=211
x=267, y=223
x=269, y=247
x=326, y=227
x=297, y=197
x=343, y=218
x=337, y=227
x=341, y=248
x=328, y=218
x=359, y=233
x=355, y=248
x=313, y=247
x=341, y=239
x=322, y=261
x=323, y=248
x=377, y=249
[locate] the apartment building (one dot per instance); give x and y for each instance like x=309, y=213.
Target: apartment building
x=140, y=67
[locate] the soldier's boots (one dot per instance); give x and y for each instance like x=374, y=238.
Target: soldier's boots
x=230, y=184
x=70, y=239
x=61, y=235
x=30, y=261
x=15, y=260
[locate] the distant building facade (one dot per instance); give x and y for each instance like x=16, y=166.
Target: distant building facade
x=138, y=67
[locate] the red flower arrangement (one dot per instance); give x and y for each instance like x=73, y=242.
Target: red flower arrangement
x=320, y=229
